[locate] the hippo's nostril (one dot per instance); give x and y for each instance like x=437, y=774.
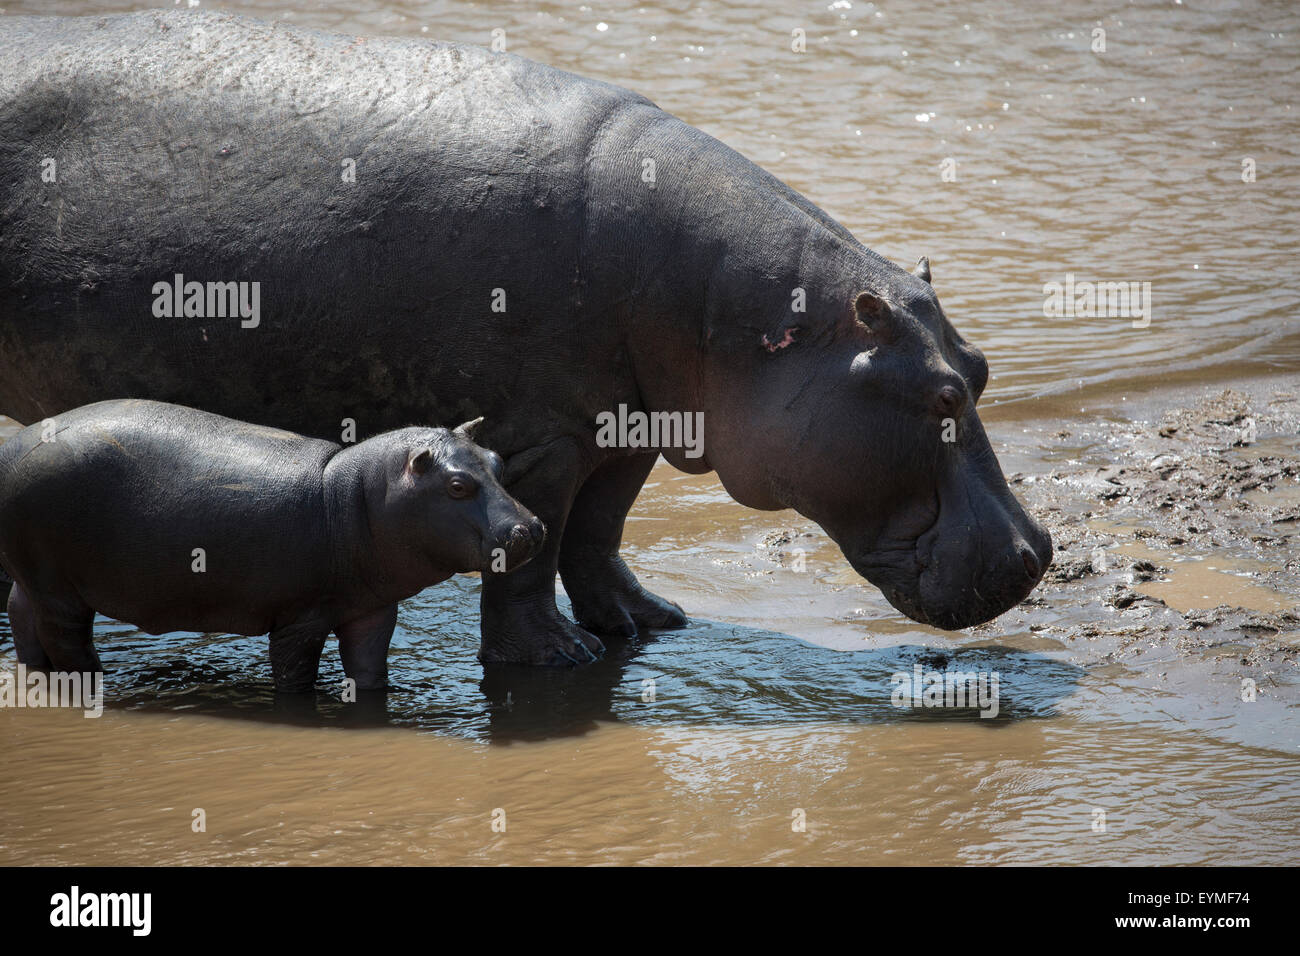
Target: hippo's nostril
x=524, y=539
x=1030, y=560
x=518, y=544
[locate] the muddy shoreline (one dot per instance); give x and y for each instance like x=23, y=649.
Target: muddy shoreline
x=1184, y=545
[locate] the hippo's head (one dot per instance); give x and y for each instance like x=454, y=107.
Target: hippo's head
x=864, y=421
x=443, y=504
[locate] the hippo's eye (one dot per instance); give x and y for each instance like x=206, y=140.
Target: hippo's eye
x=461, y=486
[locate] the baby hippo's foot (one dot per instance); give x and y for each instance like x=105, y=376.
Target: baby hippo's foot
x=534, y=632
x=371, y=681
x=363, y=645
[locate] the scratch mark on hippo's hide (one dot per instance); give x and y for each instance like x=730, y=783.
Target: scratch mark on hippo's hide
x=113, y=441
x=786, y=341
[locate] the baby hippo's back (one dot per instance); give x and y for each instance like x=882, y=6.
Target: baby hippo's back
x=219, y=521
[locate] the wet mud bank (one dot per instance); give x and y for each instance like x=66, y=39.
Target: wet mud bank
x=1184, y=544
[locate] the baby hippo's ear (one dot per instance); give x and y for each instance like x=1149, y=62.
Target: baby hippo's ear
x=468, y=429
x=420, y=460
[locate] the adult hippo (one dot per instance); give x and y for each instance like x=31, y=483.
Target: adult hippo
x=438, y=232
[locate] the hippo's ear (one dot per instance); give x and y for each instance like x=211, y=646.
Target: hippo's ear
x=922, y=270
x=874, y=312
x=420, y=460
x=468, y=429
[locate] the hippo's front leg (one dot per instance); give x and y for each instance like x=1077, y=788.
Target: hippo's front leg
x=520, y=622
x=606, y=596
x=363, y=646
x=295, y=656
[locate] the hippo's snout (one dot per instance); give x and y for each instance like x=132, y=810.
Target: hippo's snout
x=962, y=586
x=982, y=556
x=522, y=541
x=970, y=578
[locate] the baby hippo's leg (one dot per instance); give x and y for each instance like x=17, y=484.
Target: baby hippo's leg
x=295, y=656
x=22, y=621
x=363, y=645
x=53, y=634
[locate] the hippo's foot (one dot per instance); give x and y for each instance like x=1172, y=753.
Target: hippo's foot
x=608, y=599
x=624, y=610
x=606, y=596
x=535, y=632
x=373, y=682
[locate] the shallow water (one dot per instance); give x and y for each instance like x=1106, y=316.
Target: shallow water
x=696, y=746
x=1121, y=166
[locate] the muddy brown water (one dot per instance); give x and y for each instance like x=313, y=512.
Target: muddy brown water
x=774, y=705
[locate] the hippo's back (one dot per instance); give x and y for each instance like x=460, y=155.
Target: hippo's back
x=152, y=138
x=171, y=439
x=121, y=495
x=177, y=470
x=378, y=191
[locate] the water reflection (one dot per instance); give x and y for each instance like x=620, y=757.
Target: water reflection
x=709, y=673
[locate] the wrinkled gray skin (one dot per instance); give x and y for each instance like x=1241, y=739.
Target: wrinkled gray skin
x=216, y=147
x=300, y=537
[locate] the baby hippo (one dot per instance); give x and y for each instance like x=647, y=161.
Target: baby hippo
x=171, y=519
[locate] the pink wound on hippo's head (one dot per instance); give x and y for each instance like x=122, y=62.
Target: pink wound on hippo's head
x=785, y=341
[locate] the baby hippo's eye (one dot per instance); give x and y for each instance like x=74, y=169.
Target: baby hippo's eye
x=461, y=486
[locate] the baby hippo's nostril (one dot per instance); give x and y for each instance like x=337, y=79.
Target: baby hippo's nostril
x=537, y=531
x=525, y=539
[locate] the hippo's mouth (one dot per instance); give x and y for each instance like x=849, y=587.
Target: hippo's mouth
x=901, y=570
x=903, y=576
x=933, y=585
x=896, y=573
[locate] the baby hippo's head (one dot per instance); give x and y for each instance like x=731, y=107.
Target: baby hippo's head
x=443, y=504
